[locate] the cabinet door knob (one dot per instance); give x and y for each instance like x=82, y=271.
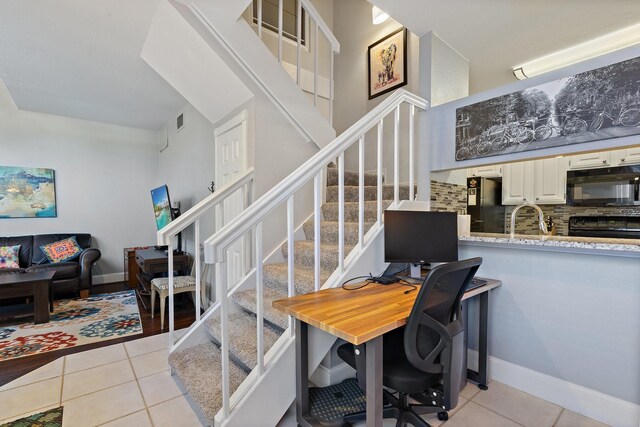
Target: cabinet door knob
x=537, y=198
x=604, y=162
x=622, y=159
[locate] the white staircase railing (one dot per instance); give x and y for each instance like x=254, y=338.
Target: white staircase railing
x=320, y=28
x=165, y=236
x=252, y=219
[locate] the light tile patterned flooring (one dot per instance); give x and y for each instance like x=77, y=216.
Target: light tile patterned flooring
x=129, y=385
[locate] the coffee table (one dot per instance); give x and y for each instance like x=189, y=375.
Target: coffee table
x=37, y=284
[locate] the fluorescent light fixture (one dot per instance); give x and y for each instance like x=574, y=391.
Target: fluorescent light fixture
x=590, y=49
x=378, y=16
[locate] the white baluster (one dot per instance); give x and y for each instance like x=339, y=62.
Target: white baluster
x=412, y=111
x=197, y=266
x=331, y=89
x=317, y=206
x=396, y=156
x=380, y=139
x=298, y=40
x=259, y=19
x=170, y=271
x=260, y=298
x=280, y=21
x=361, y=192
x=341, y=213
x=315, y=65
x=290, y=256
x=221, y=285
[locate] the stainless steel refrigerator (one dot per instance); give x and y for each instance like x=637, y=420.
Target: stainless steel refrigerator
x=484, y=204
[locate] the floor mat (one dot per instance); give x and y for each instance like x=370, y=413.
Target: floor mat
x=50, y=418
x=329, y=404
x=74, y=322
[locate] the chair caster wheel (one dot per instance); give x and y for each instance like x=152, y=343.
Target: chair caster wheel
x=443, y=416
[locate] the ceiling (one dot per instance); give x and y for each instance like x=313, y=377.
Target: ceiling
x=82, y=59
x=495, y=35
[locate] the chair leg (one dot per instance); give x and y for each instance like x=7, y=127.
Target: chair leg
x=413, y=419
x=163, y=297
x=153, y=301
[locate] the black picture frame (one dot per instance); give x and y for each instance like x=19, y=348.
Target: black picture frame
x=383, y=72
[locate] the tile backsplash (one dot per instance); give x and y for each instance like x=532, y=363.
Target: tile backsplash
x=448, y=197
x=527, y=218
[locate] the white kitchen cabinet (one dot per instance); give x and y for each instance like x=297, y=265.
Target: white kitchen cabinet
x=629, y=156
x=492, y=171
x=590, y=160
x=517, y=183
x=550, y=181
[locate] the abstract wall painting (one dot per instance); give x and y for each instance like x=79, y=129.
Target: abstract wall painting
x=27, y=192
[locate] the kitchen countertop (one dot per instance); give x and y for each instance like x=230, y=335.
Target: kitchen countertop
x=589, y=245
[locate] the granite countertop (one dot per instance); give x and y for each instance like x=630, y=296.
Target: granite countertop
x=605, y=246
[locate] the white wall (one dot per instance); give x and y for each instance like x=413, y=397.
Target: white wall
x=103, y=176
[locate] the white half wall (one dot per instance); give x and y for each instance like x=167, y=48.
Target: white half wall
x=103, y=175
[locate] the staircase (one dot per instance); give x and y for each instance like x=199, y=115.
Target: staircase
x=199, y=367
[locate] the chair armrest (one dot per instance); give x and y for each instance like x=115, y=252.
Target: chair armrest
x=87, y=258
x=445, y=335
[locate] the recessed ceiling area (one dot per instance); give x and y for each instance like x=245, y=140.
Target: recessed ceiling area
x=82, y=59
x=496, y=35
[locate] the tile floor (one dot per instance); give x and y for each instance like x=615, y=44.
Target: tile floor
x=129, y=385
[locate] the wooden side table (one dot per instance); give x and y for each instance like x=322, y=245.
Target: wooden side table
x=37, y=284
x=131, y=268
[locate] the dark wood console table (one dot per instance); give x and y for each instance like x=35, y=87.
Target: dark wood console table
x=36, y=284
x=155, y=263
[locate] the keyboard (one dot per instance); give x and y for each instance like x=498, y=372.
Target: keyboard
x=475, y=283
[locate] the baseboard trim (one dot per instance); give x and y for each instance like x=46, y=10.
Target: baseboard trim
x=588, y=402
x=101, y=279
x=324, y=377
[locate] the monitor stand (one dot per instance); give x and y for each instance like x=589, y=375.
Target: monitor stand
x=415, y=277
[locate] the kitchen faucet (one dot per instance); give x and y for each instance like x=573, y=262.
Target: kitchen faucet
x=542, y=225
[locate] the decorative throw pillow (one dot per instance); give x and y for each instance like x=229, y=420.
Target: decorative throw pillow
x=9, y=256
x=62, y=250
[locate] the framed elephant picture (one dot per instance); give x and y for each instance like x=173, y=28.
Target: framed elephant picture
x=387, y=60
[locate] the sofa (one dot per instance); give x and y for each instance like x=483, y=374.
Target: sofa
x=70, y=276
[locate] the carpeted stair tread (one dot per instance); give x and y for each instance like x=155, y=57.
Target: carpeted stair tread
x=199, y=368
x=243, y=337
x=330, y=210
x=247, y=300
x=350, y=178
x=352, y=193
x=304, y=254
x=276, y=277
x=329, y=231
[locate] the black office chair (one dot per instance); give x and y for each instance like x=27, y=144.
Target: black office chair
x=423, y=360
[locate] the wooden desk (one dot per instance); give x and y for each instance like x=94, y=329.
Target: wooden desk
x=363, y=316
x=153, y=263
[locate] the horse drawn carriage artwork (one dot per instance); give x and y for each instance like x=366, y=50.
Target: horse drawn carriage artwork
x=598, y=104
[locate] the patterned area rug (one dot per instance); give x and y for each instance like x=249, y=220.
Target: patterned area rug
x=74, y=322
x=50, y=418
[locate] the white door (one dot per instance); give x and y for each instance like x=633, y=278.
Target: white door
x=230, y=152
x=550, y=181
x=590, y=160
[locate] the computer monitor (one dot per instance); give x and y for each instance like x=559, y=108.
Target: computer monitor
x=420, y=237
x=161, y=206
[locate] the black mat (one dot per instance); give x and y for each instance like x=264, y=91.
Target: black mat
x=329, y=404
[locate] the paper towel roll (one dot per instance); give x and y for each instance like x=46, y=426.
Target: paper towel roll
x=464, y=225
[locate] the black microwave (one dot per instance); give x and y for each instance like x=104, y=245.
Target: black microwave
x=618, y=186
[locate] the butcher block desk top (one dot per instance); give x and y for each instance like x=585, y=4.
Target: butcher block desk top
x=358, y=316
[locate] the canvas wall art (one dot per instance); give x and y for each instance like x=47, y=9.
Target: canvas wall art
x=598, y=104
x=27, y=192
x=388, y=63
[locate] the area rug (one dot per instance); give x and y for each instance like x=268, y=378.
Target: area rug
x=74, y=322
x=50, y=418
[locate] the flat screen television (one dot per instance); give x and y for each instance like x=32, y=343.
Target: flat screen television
x=420, y=237
x=161, y=206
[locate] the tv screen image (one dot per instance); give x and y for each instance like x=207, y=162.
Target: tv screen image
x=161, y=206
